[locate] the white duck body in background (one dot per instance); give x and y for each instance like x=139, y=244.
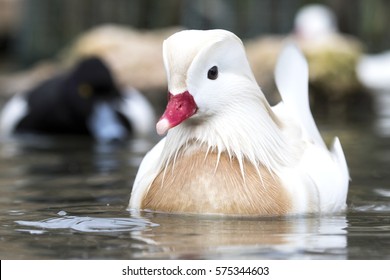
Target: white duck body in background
x=227, y=151
x=374, y=71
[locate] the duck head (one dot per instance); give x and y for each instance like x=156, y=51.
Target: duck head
x=93, y=97
x=205, y=70
x=88, y=82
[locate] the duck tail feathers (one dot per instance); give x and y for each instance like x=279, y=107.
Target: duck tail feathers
x=292, y=80
x=338, y=156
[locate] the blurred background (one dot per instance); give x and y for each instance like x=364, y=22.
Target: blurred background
x=39, y=38
x=31, y=30
x=128, y=34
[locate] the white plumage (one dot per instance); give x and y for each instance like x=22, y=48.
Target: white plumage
x=227, y=151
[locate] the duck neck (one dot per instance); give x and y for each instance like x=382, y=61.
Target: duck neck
x=250, y=132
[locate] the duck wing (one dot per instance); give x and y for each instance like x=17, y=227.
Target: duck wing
x=147, y=172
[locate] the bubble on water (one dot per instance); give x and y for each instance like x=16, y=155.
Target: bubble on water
x=62, y=213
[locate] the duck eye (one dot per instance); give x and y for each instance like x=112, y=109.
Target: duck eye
x=85, y=91
x=213, y=73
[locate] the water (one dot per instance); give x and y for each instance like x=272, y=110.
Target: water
x=67, y=200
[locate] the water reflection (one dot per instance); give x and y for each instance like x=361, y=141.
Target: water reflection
x=198, y=237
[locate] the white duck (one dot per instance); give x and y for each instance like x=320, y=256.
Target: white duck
x=227, y=150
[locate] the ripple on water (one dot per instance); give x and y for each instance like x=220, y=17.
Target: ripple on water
x=376, y=208
x=87, y=224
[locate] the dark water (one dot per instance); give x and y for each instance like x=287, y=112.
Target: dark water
x=68, y=199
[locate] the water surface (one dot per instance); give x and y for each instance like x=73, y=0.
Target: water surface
x=67, y=199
